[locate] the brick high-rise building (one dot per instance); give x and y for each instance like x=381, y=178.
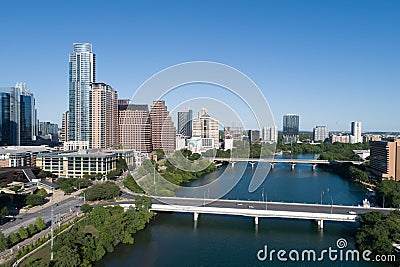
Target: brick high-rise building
x=385, y=159
x=134, y=127
x=103, y=116
x=162, y=127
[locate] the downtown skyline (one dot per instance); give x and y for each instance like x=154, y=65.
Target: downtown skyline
x=330, y=64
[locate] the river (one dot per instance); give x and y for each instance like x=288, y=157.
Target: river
x=216, y=240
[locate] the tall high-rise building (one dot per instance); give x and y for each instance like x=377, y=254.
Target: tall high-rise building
x=270, y=134
x=65, y=127
x=236, y=133
x=254, y=136
x=134, y=127
x=163, y=132
x=18, y=125
x=82, y=72
x=356, y=132
x=104, y=116
x=206, y=127
x=320, y=133
x=385, y=159
x=185, y=123
x=290, y=128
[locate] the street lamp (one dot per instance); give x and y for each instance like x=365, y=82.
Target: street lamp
x=322, y=192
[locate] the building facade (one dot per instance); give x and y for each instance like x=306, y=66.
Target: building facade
x=82, y=72
x=204, y=126
x=385, y=159
x=163, y=132
x=270, y=134
x=21, y=156
x=254, y=136
x=290, y=128
x=236, y=133
x=185, y=123
x=134, y=127
x=77, y=164
x=356, y=132
x=65, y=127
x=103, y=116
x=18, y=124
x=320, y=133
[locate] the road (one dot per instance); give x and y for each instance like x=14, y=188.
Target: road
x=258, y=205
x=61, y=209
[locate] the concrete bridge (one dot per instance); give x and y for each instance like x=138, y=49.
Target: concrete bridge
x=292, y=162
x=259, y=209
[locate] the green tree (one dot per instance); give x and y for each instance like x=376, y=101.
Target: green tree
x=23, y=233
x=67, y=257
x=131, y=184
x=121, y=164
x=34, y=200
x=86, y=208
x=142, y=202
x=3, y=213
x=107, y=190
x=40, y=224
x=3, y=242
x=13, y=238
x=42, y=193
x=32, y=229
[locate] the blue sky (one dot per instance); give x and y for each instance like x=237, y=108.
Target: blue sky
x=331, y=62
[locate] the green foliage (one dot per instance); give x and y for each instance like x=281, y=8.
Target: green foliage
x=160, y=154
x=34, y=200
x=131, y=184
x=69, y=185
x=90, y=239
x=194, y=156
x=32, y=229
x=43, y=174
x=86, y=208
x=113, y=174
x=3, y=242
x=377, y=232
x=23, y=233
x=4, y=211
x=107, y=190
x=121, y=164
x=40, y=224
x=13, y=238
x=42, y=193
x=388, y=194
x=142, y=202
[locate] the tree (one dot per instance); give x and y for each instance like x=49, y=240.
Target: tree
x=34, y=200
x=3, y=213
x=32, y=229
x=86, y=208
x=40, y=224
x=67, y=257
x=106, y=190
x=23, y=233
x=142, y=202
x=42, y=193
x=13, y=238
x=3, y=242
x=121, y=164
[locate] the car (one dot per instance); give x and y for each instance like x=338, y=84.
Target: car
x=239, y=204
x=251, y=207
x=351, y=212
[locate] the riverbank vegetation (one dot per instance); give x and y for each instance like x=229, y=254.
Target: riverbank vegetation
x=102, y=191
x=377, y=232
x=99, y=233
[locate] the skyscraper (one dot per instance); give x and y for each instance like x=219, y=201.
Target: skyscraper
x=162, y=128
x=270, y=134
x=356, y=132
x=82, y=72
x=18, y=124
x=204, y=126
x=65, y=127
x=290, y=128
x=185, y=123
x=134, y=127
x=320, y=133
x=103, y=116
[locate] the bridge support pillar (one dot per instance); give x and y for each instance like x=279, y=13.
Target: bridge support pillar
x=232, y=163
x=252, y=164
x=195, y=216
x=272, y=166
x=320, y=224
x=313, y=167
x=292, y=165
x=256, y=220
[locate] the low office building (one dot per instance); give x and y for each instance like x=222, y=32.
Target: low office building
x=21, y=156
x=77, y=164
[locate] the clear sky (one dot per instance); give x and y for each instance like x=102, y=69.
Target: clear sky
x=331, y=62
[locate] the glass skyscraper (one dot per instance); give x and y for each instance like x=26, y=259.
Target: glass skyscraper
x=185, y=123
x=18, y=116
x=290, y=128
x=82, y=72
